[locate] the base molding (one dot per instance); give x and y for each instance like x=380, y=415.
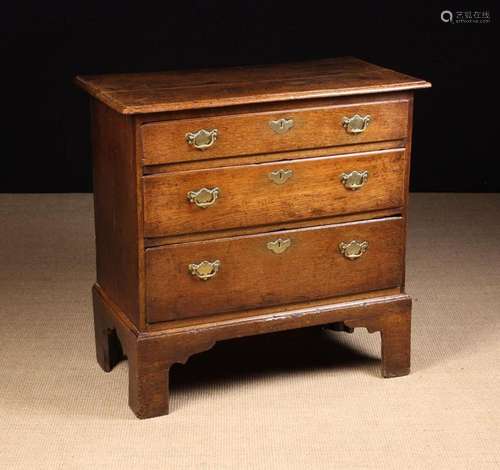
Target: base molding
x=152, y=353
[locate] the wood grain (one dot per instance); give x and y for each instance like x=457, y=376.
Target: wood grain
x=247, y=316
x=272, y=157
x=251, y=275
x=395, y=332
x=176, y=90
x=151, y=354
x=249, y=198
x=119, y=238
x=247, y=134
x=287, y=225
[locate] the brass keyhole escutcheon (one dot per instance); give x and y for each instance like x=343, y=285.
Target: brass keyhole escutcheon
x=280, y=176
x=280, y=245
x=280, y=126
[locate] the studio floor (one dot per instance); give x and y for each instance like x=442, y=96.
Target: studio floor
x=298, y=400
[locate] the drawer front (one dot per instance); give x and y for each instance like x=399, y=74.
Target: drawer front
x=247, y=134
x=203, y=278
x=252, y=195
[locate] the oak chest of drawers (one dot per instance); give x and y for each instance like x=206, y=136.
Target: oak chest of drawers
x=247, y=200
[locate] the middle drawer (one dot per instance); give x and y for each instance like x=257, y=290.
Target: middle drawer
x=205, y=200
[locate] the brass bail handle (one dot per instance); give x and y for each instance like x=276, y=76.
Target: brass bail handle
x=356, y=124
x=354, y=180
x=202, y=139
x=205, y=270
x=204, y=197
x=354, y=249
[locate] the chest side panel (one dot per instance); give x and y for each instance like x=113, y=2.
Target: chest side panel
x=119, y=245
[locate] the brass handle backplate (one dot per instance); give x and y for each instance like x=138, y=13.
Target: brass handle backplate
x=204, y=270
x=202, y=139
x=354, y=180
x=280, y=176
x=280, y=126
x=204, y=197
x=356, y=124
x=279, y=246
x=354, y=249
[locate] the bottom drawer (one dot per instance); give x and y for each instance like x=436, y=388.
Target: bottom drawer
x=202, y=278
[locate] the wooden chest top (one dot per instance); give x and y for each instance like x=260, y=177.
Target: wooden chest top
x=195, y=89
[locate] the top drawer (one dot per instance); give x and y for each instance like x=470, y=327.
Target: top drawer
x=247, y=134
